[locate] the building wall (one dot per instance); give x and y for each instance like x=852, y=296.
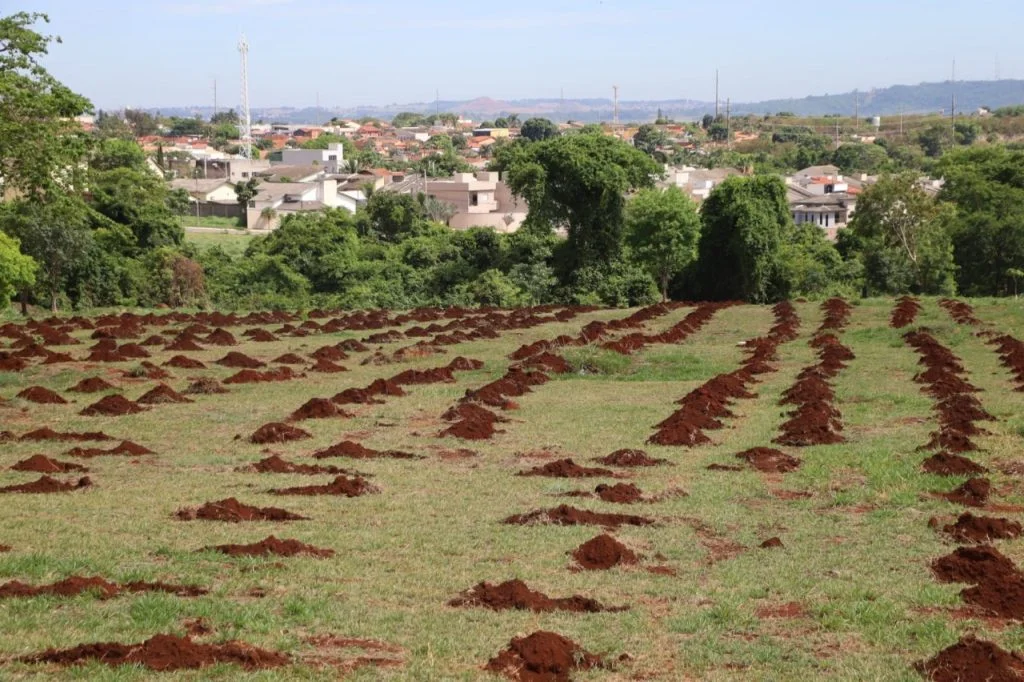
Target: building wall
x=321, y=157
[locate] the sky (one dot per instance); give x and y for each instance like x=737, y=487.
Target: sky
x=162, y=53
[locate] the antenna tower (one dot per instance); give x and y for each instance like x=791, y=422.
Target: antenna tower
x=615, y=113
x=243, y=48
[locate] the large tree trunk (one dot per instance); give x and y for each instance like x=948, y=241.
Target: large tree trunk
x=23, y=296
x=664, y=288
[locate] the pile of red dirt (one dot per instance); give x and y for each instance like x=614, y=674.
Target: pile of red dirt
x=318, y=408
x=251, y=376
x=41, y=396
x=5, y=548
x=630, y=458
x=232, y=510
x=353, y=346
x=353, y=450
x=342, y=485
x=125, y=448
x=164, y=653
x=47, y=433
x=332, y=353
x=771, y=543
x=275, y=464
x=184, y=342
x=837, y=314
x=461, y=364
x=272, y=546
x=184, y=362
x=149, y=371
x=603, y=552
x=260, y=335
x=620, y=493
x=46, y=485
x=945, y=464
x=973, y=659
x=76, y=585
x=961, y=312
x=971, y=528
x=41, y=464
x=998, y=586
x=548, y=362
x=112, y=406
x=473, y=412
x=438, y=375
x=106, y=356
x=516, y=595
x=973, y=493
x=905, y=312
x=276, y=432
x=564, y=515
x=162, y=394
x=238, y=360
x=205, y=386
x=769, y=460
x=289, y=359
x=514, y=383
x=542, y=657
x=327, y=367
x=471, y=429
x=1011, y=353
x=220, y=337
x=565, y=468
x=92, y=385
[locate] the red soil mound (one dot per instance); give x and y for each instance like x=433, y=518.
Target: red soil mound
x=603, y=552
x=353, y=450
x=42, y=464
x=472, y=412
x=342, y=485
x=205, y=386
x=126, y=448
x=973, y=493
x=289, y=359
x=162, y=394
x=331, y=353
x=973, y=565
x=542, y=657
x=278, y=433
x=318, y=408
x=515, y=595
x=92, y=385
x=905, y=312
x=945, y=464
x=771, y=543
x=769, y=460
x=5, y=548
x=277, y=465
x=564, y=515
x=327, y=367
x=260, y=335
x=251, y=376
x=471, y=429
x=973, y=659
x=630, y=458
x=76, y=585
x=234, y=511
x=48, y=485
x=42, y=396
x=184, y=342
x=183, y=362
x=565, y=468
x=240, y=361
x=112, y=406
x=164, y=653
x=971, y=528
x=461, y=364
x=438, y=375
x=681, y=433
x=220, y=337
x=272, y=546
x=47, y=433
x=549, y=362
x=620, y=493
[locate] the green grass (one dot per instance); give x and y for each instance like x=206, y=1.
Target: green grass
x=856, y=552
x=214, y=221
x=233, y=244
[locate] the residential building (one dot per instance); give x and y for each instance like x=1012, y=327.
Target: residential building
x=331, y=159
x=480, y=200
x=274, y=200
x=214, y=189
x=496, y=133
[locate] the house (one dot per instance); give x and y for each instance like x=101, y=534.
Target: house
x=829, y=205
x=696, y=182
x=369, y=131
x=215, y=189
x=280, y=172
x=479, y=200
x=496, y=133
x=330, y=159
x=274, y=200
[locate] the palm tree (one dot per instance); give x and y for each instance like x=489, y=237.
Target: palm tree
x=267, y=215
x=439, y=211
x=513, y=120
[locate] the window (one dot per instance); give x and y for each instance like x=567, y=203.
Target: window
x=474, y=199
x=252, y=204
x=332, y=157
x=245, y=174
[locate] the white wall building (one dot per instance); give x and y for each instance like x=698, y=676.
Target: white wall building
x=331, y=159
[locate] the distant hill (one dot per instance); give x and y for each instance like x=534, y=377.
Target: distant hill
x=910, y=99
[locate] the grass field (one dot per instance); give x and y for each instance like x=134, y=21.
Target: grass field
x=234, y=244
x=853, y=575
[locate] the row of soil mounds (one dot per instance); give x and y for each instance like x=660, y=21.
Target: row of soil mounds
x=1011, y=356
x=905, y=312
x=998, y=585
x=272, y=546
x=516, y=595
x=962, y=313
x=111, y=405
x=814, y=419
x=233, y=511
x=104, y=589
x=48, y=485
x=704, y=408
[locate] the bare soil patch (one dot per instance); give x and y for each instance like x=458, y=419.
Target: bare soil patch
x=233, y=511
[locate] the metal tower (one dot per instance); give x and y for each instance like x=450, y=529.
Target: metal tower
x=246, y=137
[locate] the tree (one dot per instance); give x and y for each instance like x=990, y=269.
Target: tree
x=141, y=122
x=935, y=139
x=407, y=119
x=246, y=191
x=139, y=201
x=319, y=246
x=230, y=117
x=40, y=142
x=117, y=153
x=578, y=183
x=966, y=132
x=859, y=158
x=718, y=132
x=501, y=122
x=662, y=229
x=188, y=127
x=439, y=211
x=538, y=129
x=111, y=126
x=899, y=235
x=648, y=138
x=17, y=271
x=393, y=216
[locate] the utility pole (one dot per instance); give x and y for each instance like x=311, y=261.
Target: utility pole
x=952, y=108
x=728, y=123
x=837, y=133
x=856, y=109
x=437, y=102
x=243, y=48
x=615, y=113
x=901, y=122
x=716, y=95
x=215, y=97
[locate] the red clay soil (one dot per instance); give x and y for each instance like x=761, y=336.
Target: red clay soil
x=471, y=429
x=331, y=353
x=973, y=493
x=289, y=359
x=272, y=546
x=277, y=465
x=42, y=396
x=973, y=565
x=945, y=464
x=769, y=460
x=251, y=376
x=620, y=493
x=46, y=485
x=164, y=653
x=353, y=450
x=630, y=458
x=221, y=337
x=342, y=485
x=461, y=364
x=92, y=385
x=183, y=362
x=472, y=412
x=47, y=433
x=542, y=657
x=232, y=510
x=438, y=375
x=184, y=342
x=680, y=433
x=771, y=543
x=905, y=312
x=125, y=448
x=353, y=346
x=238, y=360
x=162, y=394
x=973, y=660
x=566, y=468
x=260, y=336
x=516, y=595
x=327, y=367
x=318, y=408
x=5, y=548
x=112, y=406
x=603, y=552
x=205, y=386
x=971, y=528
x=41, y=464
x=564, y=515
x=276, y=432
x=76, y=585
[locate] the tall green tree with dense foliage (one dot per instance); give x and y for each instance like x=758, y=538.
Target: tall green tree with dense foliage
x=855, y=157
x=899, y=235
x=662, y=230
x=579, y=183
x=17, y=271
x=648, y=138
x=538, y=129
x=391, y=216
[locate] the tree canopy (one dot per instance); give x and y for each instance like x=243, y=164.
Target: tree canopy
x=662, y=230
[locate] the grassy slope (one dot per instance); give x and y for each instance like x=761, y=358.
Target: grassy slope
x=233, y=244
x=856, y=551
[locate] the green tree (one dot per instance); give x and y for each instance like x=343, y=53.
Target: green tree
x=648, y=138
x=966, y=132
x=320, y=246
x=230, y=117
x=117, y=153
x=538, y=129
x=188, y=127
x=17, y=271
x=393, y=216
x=246, y=191
x=935, y=139
x=718, y=131
x=110, y=126
x=859, y=158
x=141, y=122
x=579, y=183
x=662, y=229
x=138, y=200
x=407, y=119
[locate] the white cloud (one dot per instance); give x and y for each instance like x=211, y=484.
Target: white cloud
x=222, y=6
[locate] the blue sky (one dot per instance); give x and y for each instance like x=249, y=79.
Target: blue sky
x=168, y=52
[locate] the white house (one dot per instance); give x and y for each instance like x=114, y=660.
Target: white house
x=330, y=159
x=220, y=190
x=274, y=200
